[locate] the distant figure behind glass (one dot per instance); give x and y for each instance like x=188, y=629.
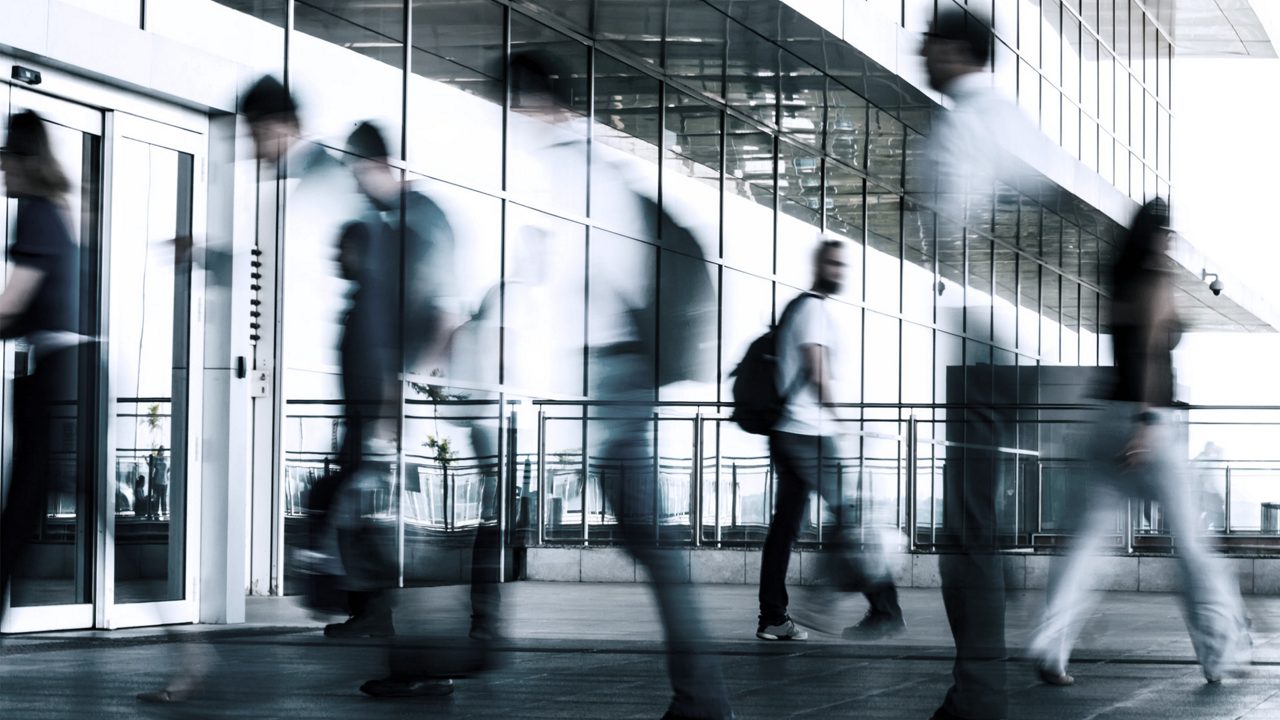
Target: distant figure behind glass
x=1136, y=452
x=39, y=304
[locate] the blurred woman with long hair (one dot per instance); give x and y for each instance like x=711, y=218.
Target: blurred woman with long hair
x=38, y=304
x=1136, y=452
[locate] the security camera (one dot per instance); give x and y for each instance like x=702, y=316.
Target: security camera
x=1215, y=284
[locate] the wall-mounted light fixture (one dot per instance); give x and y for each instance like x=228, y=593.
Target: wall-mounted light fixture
x=25, y=75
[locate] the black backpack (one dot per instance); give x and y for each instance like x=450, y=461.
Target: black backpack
x=758, y=402
x=684, y=306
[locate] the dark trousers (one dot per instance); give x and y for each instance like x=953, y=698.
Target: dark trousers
x=486, y=550
x=34, y=399
x=624, y=444
x=805, y=464
x=973, y=587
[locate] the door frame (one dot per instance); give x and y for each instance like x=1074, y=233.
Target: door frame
x=33, y=618
x=110, y=614
x=184, y=131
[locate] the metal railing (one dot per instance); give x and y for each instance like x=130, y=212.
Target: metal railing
x=713, y=484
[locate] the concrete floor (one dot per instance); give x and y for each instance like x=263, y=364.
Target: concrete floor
x=593, y=651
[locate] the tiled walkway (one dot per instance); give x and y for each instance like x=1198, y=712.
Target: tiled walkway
x=592, y=651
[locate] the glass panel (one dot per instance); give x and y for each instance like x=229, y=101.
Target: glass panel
x=1051, y=39
x=691, y=159
x=1122, y=104
x=885, y=148
x=457, y=63
x=546, y=145
x=273, y=11
x=1071, y=51
x=575, y=13
x=847, y=131
x=917, y=363
x=748, y=198
x=804, y=101
x=880, y=367
x=57, y=567
x=1051, y=112
x=1029, y=90
x=1106, y=90
x=347, y=65
x=1005, y=302
x=752, y=75
x=1006, y=70
x=1071, y=129
x=150, y=313
x=845, y=219
x=919, y=285
x=1005, y=17
x=1029, y=306
x=696, y=44
x=884, y=250
x=1089, y=75
x=128, y=12
x=951, y=279
x=635, y=28
x=625, y=138
x=977, y=307
x=1029, y=30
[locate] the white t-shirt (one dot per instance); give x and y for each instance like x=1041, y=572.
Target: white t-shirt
x=810, y=324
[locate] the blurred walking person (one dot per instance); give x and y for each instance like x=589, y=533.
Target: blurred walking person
x=40, y=305
x=1136, y=452
x=636, y=346
x=984, y=140
x=804, y=449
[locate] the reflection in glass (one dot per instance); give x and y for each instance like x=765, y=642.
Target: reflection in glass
x=57, y=567
x=748, y=198
x=347, y=65
x=457, y=89
x=547, y=158
x=150, y=325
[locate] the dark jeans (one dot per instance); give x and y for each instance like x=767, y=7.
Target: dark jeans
x=805, y=464
x=973, y=587
x=624, y=445
x=35, y=397
x=486, y=551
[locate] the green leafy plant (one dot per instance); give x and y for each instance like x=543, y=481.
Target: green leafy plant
x=153, y=422
x=443, y=451
x=436, y=393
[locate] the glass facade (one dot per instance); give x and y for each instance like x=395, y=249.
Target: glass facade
x=757, y=152
x=1095, y=75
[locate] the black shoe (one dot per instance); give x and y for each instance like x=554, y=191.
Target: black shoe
x=673, y=715
x=394, y=688
x=875, y=626
x=373, y=625
x=943, y=713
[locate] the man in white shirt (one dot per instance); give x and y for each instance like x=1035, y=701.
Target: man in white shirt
x=805, y=454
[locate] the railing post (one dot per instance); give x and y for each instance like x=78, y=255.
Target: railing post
x=719, y=474
x=1128, y=527
x=541, y=500
x=657, y=482
x=1226, y=506
x=506, y=472
x=911, y=483
x=695, y=499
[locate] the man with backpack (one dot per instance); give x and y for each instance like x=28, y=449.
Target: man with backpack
x=802, y=443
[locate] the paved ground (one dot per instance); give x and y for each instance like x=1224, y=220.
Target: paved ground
x=592, y=651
